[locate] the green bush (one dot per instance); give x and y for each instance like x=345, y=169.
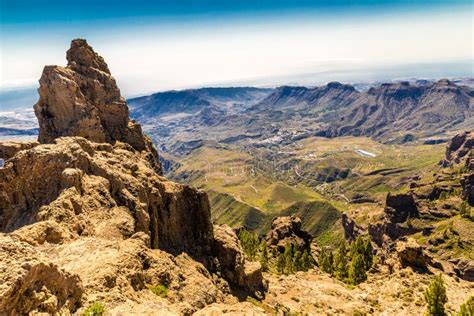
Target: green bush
x=325, y=261
x=96, y=309
x=435, y=297
x=467, y=308
x=159, y=290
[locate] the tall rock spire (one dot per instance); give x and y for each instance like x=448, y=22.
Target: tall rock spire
x=83, y=99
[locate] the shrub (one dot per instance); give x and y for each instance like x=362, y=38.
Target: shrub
x=160, y=290
x=280, y=263
x=435, y=296
x=96, y=309
x=467, y=308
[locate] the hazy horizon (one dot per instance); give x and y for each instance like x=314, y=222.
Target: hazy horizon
x=190, y=44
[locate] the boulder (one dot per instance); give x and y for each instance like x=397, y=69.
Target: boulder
x=287, y=230
x=398, y=208
x=465, y=269
x=410, y=253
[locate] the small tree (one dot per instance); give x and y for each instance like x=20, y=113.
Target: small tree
x=306, y=261
x=340, y=262
x=280, y=263
x=325, y=261
x=435, y=297
x=467, y=308
x=288, y=254
x=297, y=261
x=368, y=255
x=264, y=255
x=357, y=270
x=249, y=242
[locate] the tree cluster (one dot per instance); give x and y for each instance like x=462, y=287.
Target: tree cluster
x=349, y=263
x=290, y=261
x=293, y=260
x=250, y=243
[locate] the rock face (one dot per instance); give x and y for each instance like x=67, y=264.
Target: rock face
x=83, y=99
x=460, y=150
x=351, y=229
x=86, y=215
x=287, y=230
x=398, y=209
x=247, y=275
x=459, y=147
x=30, y=281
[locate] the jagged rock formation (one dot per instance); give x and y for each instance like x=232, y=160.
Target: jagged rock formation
x=458, y=148
x=287, y=230
x=398, y=209
x=85, y=215
x=83, y=99
x=351, y=229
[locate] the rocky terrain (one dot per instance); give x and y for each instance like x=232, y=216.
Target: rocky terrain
x=89, y=224
x=86, y=216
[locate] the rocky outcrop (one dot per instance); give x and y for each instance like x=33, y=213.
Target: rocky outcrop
x=410, y=253
x=287, y=230
x=85, y=215
x=31, y=282
x=73, y=180
x=9, y=149
x=83, y=99
x=458, y=148
x=232, y=263
x=398, y=209
x=351, y=229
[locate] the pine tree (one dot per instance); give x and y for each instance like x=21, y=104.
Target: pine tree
x=340, y=262
x=264, y=255
x=325, y=261
x=280, y=263
x=368, y=255
x=435, y=297
x=249, y=242
x=297, y=261
x=306, y=261
x=357, y=270
x=467, y=308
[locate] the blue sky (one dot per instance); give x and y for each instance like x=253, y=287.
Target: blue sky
x=159, y=45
